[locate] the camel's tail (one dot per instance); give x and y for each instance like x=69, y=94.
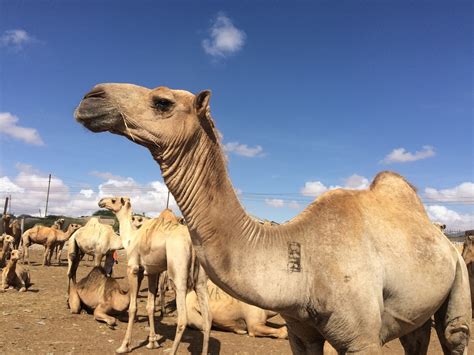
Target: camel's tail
x=453, y=319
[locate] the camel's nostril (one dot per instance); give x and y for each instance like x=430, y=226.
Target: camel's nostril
x=96, y=93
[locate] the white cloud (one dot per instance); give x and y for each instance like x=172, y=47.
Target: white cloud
x=225, y=39
x=316, y=188
x=9, y=127
x=400, y=155
x=452, y=219
x=244, y=150
x=313, y=188
x=15, y=39
x=275, y=202
x=29, y=187
x=105, y=175
x=463, y=193
x=356, y=182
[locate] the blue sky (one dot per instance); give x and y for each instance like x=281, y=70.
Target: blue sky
x=308, y=96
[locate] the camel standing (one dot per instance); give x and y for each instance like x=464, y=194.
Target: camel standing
x=96, y=239
x=345, y=270
x=58, y=224
x=160, y=244
x=15, y=228
x=100, y=293
x=48, y=237
x=232, y=315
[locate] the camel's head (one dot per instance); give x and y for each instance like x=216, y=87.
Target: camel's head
x=441, y=226
x=15, y=255
x=59, y=221
x=73, y=227
x=114, y=204
x=155, y=118
x=468, y=248
x=6, y=239
x=6, y=217
x=137, y=221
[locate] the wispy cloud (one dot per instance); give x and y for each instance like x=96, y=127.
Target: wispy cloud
x=225, y=39
x=16, y=39
x=463, y=193
x=316, y=188
x=9, y=127
x=244, y=150
x=452, y=219
x=400, y=155
x=105, y=175
x=275, y=202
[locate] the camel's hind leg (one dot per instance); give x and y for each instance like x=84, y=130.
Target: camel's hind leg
x=203, y=299
x=453, y=319
x=150, y=309
x=416, y=342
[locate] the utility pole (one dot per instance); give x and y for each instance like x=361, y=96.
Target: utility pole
x=5, y=207
x=47, y=196
x=168, y=200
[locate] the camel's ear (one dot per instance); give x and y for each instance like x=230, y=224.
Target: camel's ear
x=201, y=103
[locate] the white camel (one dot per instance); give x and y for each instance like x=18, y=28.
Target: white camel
x=160, y=244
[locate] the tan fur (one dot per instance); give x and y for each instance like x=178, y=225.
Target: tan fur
x=232, y=315
x=468, y=256
x=95, y=239
x=99, y=293
x=355, y=268
x=48, y=237
x=161, y=244
x=15, y=276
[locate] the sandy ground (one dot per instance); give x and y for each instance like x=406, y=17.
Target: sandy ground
x=39, y=322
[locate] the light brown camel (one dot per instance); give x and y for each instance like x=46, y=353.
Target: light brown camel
x=356, y=268
x=58, y=224
x=468, y=256
x=160, y=244
x=96, y=239
x=232, y=315
x=7, y=247
x=99, y=293
x=15, y=228
x=15, y=276
x=48, y=237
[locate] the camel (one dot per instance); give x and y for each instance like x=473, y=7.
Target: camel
x=345, y=270
x=48, y=237
x=138, y=220
x=7, y=246
x=468, y=256
x=15, y=276
x=58, y=224
x=6, y=218
x=232, y=315
x=99, y=293
x=95, y=239
x=15, y=228
x=160, y=244
x=441, y=226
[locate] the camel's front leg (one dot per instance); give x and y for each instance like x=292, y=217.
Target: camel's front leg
x=100, y=314
x=203, y=299
x=45, y=256
x=150, y=309
x=132, y=271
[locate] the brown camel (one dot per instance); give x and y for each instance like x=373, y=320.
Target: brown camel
x=7, y=247
x=161, y=244
x=58, y=224
x=356, y=268
x=468, y=256
x=15, y=276
x=6, y=220
x=48, y=237
x=99, y=293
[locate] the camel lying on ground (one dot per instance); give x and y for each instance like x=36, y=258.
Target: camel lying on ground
x=7, y=247
x=48, y=237
x=345, y=270
x=160, y=244
x=15, y=276
x=95, y=239
x=98, y=293
x=232, y=315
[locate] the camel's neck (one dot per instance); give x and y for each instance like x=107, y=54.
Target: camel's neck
x=64, y=236
x=232, y=247
x=124, y=216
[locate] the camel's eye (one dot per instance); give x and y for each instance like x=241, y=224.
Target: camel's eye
x=162, y=104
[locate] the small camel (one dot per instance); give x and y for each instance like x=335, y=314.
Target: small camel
x=15, y=228
x=6, y=248
x=468, y=256
x=48, y=237
x=15, y=276
x=95, y=239
x=441, y=226
x=160, y=244
x=99, y=293
x=233, y=315
x=58, y=224
x=344, y=270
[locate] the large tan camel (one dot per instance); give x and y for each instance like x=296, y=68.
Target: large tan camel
x=356, y=268
x=99, y=293
x=15, y=276
x=232, y=315
x=160, y=244
x=48, y=237
x=95, y=239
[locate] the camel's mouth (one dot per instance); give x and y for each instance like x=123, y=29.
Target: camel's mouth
x=96, y=113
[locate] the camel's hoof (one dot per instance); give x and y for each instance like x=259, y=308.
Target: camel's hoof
x=123, y=349
x=153, y=345
x=22, y=289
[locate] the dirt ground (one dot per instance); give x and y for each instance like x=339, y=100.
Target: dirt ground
x=39, y=322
